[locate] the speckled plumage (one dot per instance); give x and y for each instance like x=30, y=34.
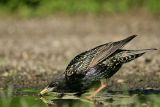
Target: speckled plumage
x=89, y=67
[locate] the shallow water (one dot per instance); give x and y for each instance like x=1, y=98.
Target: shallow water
x=132, y=98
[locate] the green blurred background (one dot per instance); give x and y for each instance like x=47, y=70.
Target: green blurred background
x=32, y=8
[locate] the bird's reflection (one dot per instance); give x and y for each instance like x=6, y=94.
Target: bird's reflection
x=129, y=98
x=99, y=101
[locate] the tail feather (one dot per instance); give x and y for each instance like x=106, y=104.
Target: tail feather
x=129, y=55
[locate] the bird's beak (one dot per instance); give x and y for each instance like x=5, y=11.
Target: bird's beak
x=44, y=91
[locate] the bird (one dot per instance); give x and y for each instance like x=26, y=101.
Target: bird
x=96, y=65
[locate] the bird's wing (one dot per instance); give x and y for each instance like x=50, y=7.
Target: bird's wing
x=89, y=59
x=107, y=50
x=79, y=63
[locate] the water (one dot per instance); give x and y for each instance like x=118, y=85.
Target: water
x=132, y=98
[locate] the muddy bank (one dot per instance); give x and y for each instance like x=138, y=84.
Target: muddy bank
x=32, y=52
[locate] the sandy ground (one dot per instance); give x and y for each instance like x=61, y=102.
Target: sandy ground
x=33, y=51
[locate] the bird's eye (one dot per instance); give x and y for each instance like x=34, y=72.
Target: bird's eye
x=53, y=84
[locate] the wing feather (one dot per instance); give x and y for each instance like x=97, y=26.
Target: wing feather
x=108, y=49
x=89, y=59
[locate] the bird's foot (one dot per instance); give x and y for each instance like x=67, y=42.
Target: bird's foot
x=92, y=96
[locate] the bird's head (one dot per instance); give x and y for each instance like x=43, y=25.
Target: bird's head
x=50, y=88
x=55, y=86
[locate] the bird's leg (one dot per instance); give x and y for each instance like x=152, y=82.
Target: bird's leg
x=103, y=85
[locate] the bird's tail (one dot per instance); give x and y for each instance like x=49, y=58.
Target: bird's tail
x=129, y=55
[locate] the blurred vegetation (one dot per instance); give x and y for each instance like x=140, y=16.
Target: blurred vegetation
x=29, y=8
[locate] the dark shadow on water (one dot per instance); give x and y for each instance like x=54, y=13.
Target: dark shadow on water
x=68, y=103
x=79, y=103
x=136, y=91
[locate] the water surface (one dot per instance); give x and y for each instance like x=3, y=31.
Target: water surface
x=131, y=98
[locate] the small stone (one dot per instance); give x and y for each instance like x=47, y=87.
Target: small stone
x=5, y=74
x=120, y=81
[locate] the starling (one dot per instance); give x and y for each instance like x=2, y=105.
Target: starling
x=94, y=66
